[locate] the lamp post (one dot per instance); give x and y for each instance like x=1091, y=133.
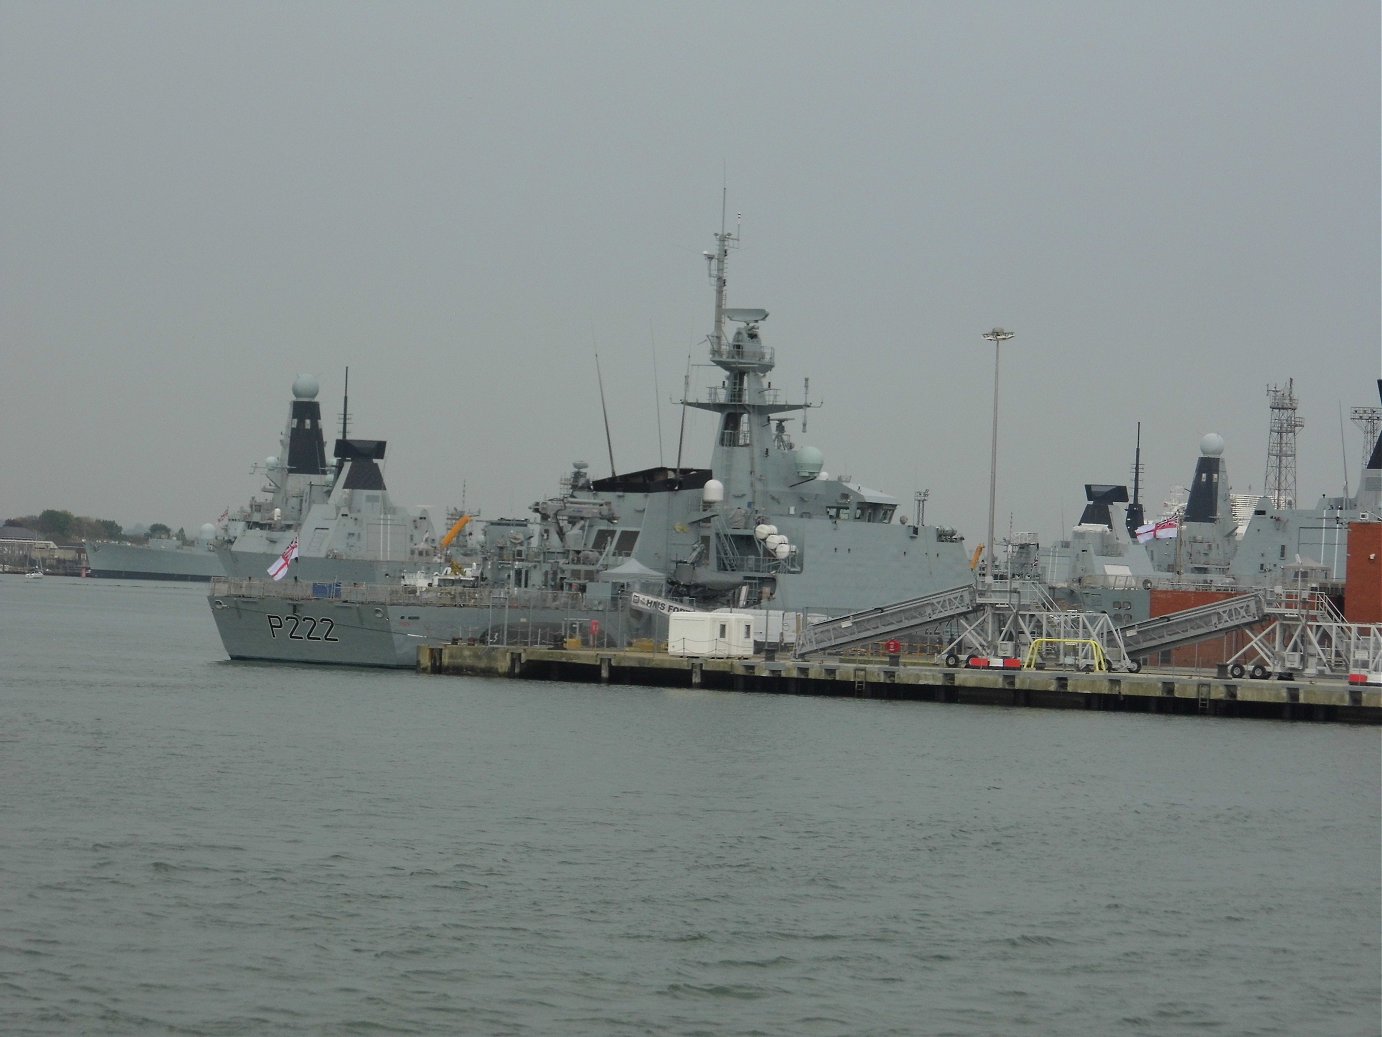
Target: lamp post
x=997, y=336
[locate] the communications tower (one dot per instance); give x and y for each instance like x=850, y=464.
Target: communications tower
x=1280, y=480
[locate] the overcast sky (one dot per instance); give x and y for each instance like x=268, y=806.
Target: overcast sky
x=1173, y=205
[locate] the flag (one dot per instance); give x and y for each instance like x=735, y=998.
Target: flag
x=1166, y=529
x=290, y=554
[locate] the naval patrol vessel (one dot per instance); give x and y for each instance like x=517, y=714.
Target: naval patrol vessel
x=763, y=526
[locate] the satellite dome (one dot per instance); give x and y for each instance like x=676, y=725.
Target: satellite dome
x=271, y=461
x=305, y=387
x=809, y=461
x=713, y=492
x=1212, y=445
x=208, y=530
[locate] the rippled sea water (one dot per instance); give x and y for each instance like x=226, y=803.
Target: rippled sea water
x=196, y=846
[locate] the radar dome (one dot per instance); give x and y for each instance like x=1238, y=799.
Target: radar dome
x=271, y=461
x=809, y=461
x=208, y=530
x=1212, y=445
x=713, y=492
x=305, y=387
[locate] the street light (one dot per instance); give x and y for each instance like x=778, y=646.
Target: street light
x=997, y=336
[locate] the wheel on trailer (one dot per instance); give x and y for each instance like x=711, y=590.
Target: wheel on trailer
x=952, y=660
x=969, y=659
x=1236, y=671
x=1135, y=666
x=1259, y=671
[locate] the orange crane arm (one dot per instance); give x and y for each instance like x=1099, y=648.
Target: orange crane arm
x=455, y=531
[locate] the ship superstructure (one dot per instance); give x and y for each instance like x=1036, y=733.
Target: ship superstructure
x=763, y=526
x=345, y=524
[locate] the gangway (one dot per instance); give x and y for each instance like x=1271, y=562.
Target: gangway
x=1008, y=631
x=1193, y=624
x=1309, y=637
x=1019, y=628
x=879, y=623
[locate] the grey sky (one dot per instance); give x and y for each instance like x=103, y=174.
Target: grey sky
x=1173, y=205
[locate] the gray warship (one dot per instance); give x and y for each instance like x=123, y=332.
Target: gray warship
x=1224, y=542
x=341, y=516
x=159, y=559
x=763, y=527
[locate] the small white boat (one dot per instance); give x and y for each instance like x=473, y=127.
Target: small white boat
x=37, y=574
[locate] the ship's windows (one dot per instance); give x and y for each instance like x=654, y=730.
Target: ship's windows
x=724, y=630
x=627, y=538
x=1283, y=551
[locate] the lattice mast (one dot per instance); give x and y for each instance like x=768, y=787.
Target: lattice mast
x=1369, y=419
x=1280, y=480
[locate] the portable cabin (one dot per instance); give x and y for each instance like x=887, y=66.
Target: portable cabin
x=719, y=635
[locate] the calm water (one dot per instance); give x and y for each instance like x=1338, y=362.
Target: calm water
x=196, y=846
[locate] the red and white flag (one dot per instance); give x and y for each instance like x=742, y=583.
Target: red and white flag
x=290, y=555
x=1163, y=530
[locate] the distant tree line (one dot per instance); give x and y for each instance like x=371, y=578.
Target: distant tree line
x=62, y=527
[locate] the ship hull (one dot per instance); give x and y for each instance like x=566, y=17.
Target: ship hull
x=196, y=564
x=384, y=628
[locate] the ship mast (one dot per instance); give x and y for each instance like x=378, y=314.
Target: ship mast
x=715, y=262
x=1135, y=513
x=345, y=405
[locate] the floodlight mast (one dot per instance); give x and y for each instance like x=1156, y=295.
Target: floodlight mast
x=997, y=336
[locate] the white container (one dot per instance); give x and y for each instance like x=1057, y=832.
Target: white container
x=714, y=635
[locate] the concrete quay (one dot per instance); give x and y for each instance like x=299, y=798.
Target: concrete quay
x=1314, y=699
